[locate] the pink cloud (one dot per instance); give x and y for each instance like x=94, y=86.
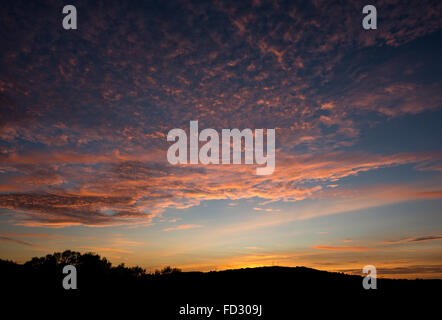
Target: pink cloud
x=183, y=227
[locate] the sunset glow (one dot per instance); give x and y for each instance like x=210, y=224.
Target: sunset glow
x=357, y=116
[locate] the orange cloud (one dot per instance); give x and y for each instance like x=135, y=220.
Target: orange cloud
x=31, y=235
x=183, y=227
x=341, y=248
x=104, y=249
x=100, y=160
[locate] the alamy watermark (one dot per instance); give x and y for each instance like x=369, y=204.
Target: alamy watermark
x=369, y=281
x=70, y=20
x=70, y=281
x=209, y=152
x=370, y=21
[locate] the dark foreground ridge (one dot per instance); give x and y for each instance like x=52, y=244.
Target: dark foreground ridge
x=281, y=291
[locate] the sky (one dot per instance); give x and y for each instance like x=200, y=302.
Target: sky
x=85, y=115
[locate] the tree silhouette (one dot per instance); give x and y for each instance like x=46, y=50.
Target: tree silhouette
x=169, y=286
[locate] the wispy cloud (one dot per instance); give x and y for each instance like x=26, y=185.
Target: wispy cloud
x=183, y=227
x=266, y=209
x=105, y=249
x=32, y=235
x=341, y=248
x=414, y=239
x=18, y=241
x=135, y=192
x=413, y=270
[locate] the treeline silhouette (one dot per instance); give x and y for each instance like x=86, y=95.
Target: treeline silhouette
x=279, y=289
x=94, y=272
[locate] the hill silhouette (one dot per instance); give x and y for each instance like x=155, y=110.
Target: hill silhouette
x=281, y=290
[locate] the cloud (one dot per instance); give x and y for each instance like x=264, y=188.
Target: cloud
x=413, y=239
x=135, y=192
x=183, y=227
x=266, y=209
x=426, y=238
x=341, y=248
x=31, y=235
x=64, y=210
x=104, y=249
x=417, y=270
x=253, y=248
x=18, y=241
x=82, y=126
x=132, y=95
